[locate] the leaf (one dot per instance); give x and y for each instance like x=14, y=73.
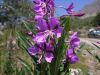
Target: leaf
x=29, y=27
x=60, y=48
x=82, y=45
x=26, y=65
x=23, y=44
x=96, y=46
x=95, y=56
x=80, y=49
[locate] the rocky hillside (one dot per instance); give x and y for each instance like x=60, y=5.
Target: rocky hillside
x=91, y=9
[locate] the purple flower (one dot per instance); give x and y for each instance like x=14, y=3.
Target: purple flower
x=70, y=7
x=74, y=40
x=42, y=7
x=72, y=13
x=39, y=7
x=50, y=29
x=77, y=14
x=30, y=33
x=48, y=57
x=74, y=59
x=43, y=51
x=71, y=57
x=50, y=7
x=70, y=52
x=33, y=50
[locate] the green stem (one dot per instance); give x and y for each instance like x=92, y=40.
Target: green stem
x=43, y=68
x=67, y=68
x=60, y=47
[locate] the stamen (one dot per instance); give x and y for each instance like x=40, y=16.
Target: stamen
x=39, y=61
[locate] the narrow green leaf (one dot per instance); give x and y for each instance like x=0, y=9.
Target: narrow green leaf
x=95, y=56
x=96, y=46
x=26, y=65
x=60, y=48
x=23, y=44
x=29, y=27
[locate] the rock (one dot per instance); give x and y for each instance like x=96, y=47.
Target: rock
x=76, y=71
x=1, y=27
x=1, y=33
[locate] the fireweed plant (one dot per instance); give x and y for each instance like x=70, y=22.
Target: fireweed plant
x=51, y=46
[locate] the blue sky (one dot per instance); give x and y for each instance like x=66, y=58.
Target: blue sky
x=0, y=0
x=78, y=4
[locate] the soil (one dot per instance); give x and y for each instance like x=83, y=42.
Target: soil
x=92, y=63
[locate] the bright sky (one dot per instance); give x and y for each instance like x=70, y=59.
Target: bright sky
x=0, y=1
x=78, y=4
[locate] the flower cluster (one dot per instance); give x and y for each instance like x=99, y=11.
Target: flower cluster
x=48, y=31
x=73, y=45
x=43, y=7
x=48, y=28
x=42, y=50
x=73, y=13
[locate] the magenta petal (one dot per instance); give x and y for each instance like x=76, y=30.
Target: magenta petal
x=69, y=52
x=30, y=33
x=41, y=25
x=58, y=32
x=49, y=47
x=40, y=37
x=33, y=50
x=70, y=7
x=73, y=35
x=75, y=42
x=53, y=22
x=79, y=15
x=49, y=57
x=37, y=8
x=71, y=56
x=51, y=2
x=38, y=17
x=74, y=59
x=40, y=13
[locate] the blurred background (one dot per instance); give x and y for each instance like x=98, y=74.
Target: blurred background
x=14, y=12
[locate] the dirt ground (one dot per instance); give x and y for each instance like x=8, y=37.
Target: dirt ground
x=91, y=62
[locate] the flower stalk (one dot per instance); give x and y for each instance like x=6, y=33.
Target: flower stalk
x=48, y=48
